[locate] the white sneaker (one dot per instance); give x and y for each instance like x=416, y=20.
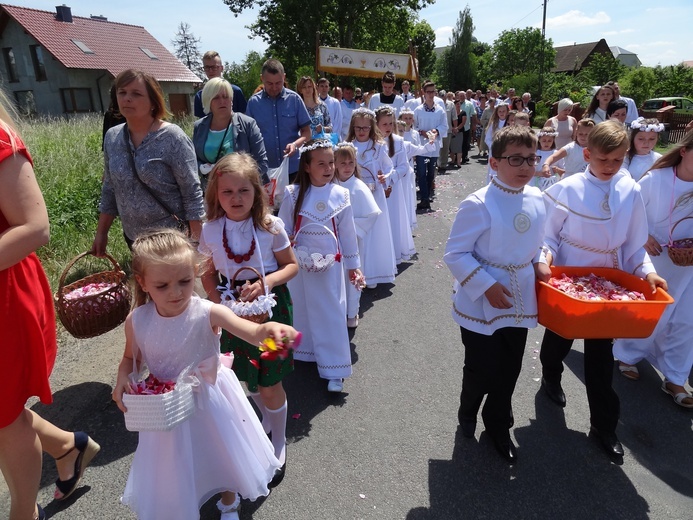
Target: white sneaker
x=352, y=323
x=230, y=512
x=335, y=385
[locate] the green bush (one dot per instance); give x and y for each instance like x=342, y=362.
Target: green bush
x=69, y=166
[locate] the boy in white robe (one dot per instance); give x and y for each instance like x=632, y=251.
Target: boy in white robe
x=596, y=218
x=494, y=252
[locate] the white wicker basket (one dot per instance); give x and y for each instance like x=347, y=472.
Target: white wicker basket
x=315, y=262
x=160, y=412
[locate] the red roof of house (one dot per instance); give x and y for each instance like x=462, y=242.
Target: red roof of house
x=115, y=46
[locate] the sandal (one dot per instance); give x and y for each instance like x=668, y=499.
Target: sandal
x=87, y=450
x=41, y=514
x=628, y=371
x=678, y=397
x=230, y=511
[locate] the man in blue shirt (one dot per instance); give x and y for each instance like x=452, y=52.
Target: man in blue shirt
x=214, y=69
x=281, y=115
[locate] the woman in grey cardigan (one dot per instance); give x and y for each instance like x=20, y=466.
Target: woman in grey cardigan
x=222, y=131
x=150, y=177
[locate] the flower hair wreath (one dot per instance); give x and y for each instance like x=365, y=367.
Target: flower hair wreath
x=345, y=144
x=550, y=133
x=639, y=124
x=362, y=112
x=318, y=143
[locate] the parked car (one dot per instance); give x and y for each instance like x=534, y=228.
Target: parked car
x=683, y=105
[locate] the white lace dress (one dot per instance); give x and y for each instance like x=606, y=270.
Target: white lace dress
x=222, y=447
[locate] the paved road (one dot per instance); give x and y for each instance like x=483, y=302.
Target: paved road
x=389, y=447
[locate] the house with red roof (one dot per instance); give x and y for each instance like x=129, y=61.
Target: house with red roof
x=55, y=63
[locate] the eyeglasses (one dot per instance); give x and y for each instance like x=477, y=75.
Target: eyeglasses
x=362, y=128
x=517, y=160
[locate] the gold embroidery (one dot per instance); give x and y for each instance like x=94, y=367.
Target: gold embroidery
x=575, y=212
x=464, y=282
x=503, y=188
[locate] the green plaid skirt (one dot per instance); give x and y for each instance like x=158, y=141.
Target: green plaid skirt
x=270, y=372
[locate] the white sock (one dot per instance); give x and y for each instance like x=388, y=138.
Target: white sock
x=257, y=399
x=277, y=420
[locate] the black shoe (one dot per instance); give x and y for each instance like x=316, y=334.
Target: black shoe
x=278, y=477
x=609, y=443
x=423, y=206
x=465, y=160
x=554, y=391
x=506, y=448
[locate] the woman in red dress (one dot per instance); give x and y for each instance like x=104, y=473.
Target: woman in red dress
x=28, y=341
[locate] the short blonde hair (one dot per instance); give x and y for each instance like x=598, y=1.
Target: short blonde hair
x=607, y=137
x=212, y=89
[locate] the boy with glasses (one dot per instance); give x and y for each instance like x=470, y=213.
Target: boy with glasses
x=494, y=252
x=211, y=62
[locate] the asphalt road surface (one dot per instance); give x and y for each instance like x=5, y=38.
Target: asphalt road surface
x=389, y=446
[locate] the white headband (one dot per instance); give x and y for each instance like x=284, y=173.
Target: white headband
x=318, y=143
x=639, y=124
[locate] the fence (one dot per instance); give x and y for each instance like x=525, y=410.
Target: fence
x=674, y=122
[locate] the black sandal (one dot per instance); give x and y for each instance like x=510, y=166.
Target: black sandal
x=41, y=513
x=87, y=450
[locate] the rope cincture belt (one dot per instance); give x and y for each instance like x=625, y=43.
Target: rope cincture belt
x=613, y=252
x=514, y=283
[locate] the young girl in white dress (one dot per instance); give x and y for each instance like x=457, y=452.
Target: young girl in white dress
x=643, y=138
x=498, y=120
x=400, y=224
x=242, y=238
x=668, y=194
x=571, y=154
x=222, y=447
x=375, y=165
x=317, y=215
x=365, y=212
x=545, y=148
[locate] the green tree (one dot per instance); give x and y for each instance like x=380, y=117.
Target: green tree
x=289, y=26
x=638, y=83
x=186, y=48
x=424, y=39
x=674, y=80
x=458, y=69
x=603, y=68
x=518, y=51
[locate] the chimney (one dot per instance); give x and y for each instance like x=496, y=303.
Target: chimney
x=98, y=17
x=63, y=13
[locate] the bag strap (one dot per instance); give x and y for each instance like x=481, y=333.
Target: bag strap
x=133, y=166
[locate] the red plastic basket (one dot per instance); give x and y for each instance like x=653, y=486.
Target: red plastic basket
x=573, y=318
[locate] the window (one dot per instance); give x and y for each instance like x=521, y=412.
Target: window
x=39, y=64
x=25, y=102
x=76, y=100
x=149, y=53
x=10, y=65
x=83, y=47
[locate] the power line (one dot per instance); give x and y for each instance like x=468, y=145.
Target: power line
x=527, y=15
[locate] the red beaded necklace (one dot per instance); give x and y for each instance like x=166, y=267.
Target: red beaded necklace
x=239, y=259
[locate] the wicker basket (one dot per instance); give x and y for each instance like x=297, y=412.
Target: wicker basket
x=160, y=412
x=95, y=314
x=315, y=262
x=680, y=251
x=243, y=309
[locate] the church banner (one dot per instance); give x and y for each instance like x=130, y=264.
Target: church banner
x=352, y=62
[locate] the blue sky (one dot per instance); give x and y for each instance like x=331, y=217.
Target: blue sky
x=659, y=35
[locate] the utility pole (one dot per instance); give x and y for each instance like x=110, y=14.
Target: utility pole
x=541, y=53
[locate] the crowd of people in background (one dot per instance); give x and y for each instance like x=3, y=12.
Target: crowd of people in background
x=357, y=162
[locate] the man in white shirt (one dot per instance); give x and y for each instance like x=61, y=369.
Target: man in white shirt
x=632, y=113
x=428, y=116
x=406, y=95
x=333, y=106
x=388, y=96
x=451, y=119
